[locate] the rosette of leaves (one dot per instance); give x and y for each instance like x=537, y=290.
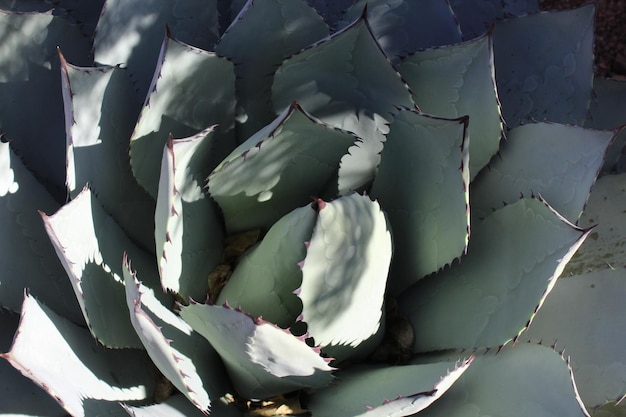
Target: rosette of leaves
x=277, y=207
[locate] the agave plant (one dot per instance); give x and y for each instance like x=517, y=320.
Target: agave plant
x=338, y=208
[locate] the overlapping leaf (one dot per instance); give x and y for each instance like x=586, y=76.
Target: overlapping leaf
x=260, y=271
x=545, y=66
x=519, y=381
x=130, y=32
x=403, y=27
x=279, y=168
x=257, y=57
x=182, y=355
x=262, y=359
x=347, y=81
x=101, y=107
x=422, y=183
x=30, y=89
x=344, y=274
x=27, y=257
x=374, y=391
x=90, y=246
x=74, y=370
x=513, y=260
x=584, y=315
x=477, y=16
x=183, y=102
x=562, y=173
x=458, y=80
x=188, y=229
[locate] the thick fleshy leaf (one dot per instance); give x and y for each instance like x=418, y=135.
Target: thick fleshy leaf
x=477, y=16
x=261, y=271
x=27, y=257
x=584, y=315
x=279, y=168
x=396, y=391
x=545, y=66
x=606, y=247
x=262, y=359
x=287, y=27
x=130, y=32
x=560, y=163
x=345, y=272
x=90, y=246
x=458, y=80
x=30, y=89
x=189, y=233
x=403, y=27
x=607, y=112
x=179, y=406
x=519, y=381
x=422, y=183
x=101, y=107
x=332, y=10
x=513, y=260
x=184, y=98
x=347, y=81
x=20, y=396
x=183, y=356
x=63, y=359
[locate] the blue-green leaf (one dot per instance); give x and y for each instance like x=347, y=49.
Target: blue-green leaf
x=513, y=260
x=63, y=359
x=458, y=80
x=191, y=89
x=557, y=162
x=279, y=168
x=262, y=359
x=344, y=274
x=287, y=27
x=422, y=183
x=189, y=232
x=347, y=81
x=545, y=66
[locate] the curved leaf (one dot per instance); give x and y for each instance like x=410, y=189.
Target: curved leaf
x=90, y=246
x=606, y=247
x=261, y=271
x=519, y=381
x=20, y=395
x=179, y=406
x=403, y=27
x=422, y=183
x=262, y=359
x=458, y=80
x=277, y=169
x=182, y=355
x=583, y=315
x=287, y=27
x=560, y=163
x=477, y=16
x=30, y=89
x=130, y=32
x=347, y=81
x=28, y=259
x=544, y=66
x=412, y=387
x=189, y=234
x=345, y=272
x=185, y=97
x=607, y=112
x=62, y=358
x=331, y=10
x=513, y=260
x=101, y=108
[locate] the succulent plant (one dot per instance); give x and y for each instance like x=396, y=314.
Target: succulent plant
x=278, y=207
